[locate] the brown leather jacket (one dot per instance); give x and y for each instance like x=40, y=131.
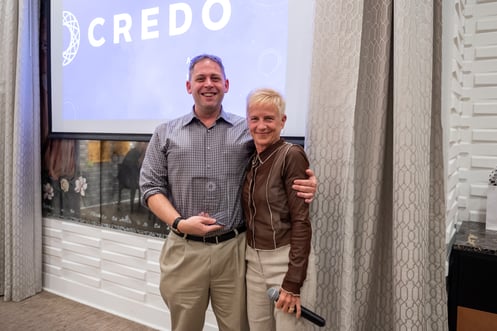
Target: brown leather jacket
x=274, y=214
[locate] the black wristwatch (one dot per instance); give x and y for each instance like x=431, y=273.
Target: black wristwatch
x=176, y=222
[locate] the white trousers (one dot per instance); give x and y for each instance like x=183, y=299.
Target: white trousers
x=266, y=269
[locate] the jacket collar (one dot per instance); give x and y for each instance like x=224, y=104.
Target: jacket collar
x=268, y=152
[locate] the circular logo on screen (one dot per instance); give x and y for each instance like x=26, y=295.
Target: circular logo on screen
x=71, y=23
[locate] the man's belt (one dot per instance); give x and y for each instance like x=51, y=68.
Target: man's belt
x=214, y=239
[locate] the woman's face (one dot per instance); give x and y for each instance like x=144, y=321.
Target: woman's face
x=265, y=124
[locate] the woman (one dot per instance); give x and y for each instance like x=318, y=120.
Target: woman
x=278, y=226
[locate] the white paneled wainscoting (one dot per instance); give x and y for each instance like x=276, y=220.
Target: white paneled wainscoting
x=470, y=108
x=114, y=271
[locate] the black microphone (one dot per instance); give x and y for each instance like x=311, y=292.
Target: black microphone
x=273, y=294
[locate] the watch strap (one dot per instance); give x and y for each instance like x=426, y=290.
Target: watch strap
x=176, y=222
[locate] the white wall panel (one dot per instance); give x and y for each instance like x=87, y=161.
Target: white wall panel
x=79, y=278
x=124, y=291
x=88, y=260
x=114, y=271
x=473, y=116
x=123, y=258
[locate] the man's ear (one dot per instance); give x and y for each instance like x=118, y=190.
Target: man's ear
x=188, y=87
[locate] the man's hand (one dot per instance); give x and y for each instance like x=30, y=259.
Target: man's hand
x=306, y=188
x=198, y=225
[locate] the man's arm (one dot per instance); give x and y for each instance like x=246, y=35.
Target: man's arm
x=306, y=188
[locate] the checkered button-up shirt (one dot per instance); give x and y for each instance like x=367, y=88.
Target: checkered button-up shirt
x=199, y=169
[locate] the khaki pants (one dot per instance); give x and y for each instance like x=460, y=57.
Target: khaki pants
x=267, y=269
x=194, y=272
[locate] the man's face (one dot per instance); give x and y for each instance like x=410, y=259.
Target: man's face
x=207, y=85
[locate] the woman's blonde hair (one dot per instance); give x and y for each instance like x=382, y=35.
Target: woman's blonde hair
x=266, y=97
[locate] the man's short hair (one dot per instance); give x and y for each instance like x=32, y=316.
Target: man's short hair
x=201, y=57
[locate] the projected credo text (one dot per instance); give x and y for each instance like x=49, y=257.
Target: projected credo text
x=180, y=20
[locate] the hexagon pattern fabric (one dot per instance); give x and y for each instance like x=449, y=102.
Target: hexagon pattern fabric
x=374, y=140
x=20, y=183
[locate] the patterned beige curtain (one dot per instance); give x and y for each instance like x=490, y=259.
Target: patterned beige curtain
x=20, y=186
x=374, y=138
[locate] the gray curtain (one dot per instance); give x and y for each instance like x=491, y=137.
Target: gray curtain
x=20, y=184
x=374, y=139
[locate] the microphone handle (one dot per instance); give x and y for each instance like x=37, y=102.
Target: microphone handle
x=312, y=317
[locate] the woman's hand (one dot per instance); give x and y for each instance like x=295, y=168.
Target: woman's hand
x=289, y=303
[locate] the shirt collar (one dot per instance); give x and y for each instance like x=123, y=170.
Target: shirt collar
x=225, y=116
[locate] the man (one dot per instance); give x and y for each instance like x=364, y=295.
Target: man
x=191, y=179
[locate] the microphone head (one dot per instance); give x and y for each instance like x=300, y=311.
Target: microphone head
x=273, y=293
